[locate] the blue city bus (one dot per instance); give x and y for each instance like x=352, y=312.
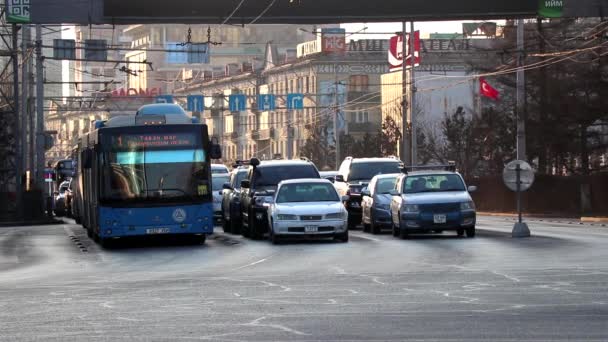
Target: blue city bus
x=146, y=174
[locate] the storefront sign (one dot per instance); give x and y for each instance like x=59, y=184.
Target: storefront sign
x=122, y=92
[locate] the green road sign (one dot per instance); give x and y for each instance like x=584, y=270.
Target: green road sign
x=18, y=11
x=550, y=8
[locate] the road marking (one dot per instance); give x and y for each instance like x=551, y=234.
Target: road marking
x=516, y=280
x=256, y=323
x=252, y=264
x=361, y=236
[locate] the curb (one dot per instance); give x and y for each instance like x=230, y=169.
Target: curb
x=30, y=223
x=594, y=219
x=590, y=221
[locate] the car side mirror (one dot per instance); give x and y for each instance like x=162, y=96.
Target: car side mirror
x=245, y=184
x=394, y=193
x=227, y=186
x=331, y=179
x=339, y=178
x=366, y=192
x=345, y=198
x=472, y=188
x=215, y=152
x=221, y=192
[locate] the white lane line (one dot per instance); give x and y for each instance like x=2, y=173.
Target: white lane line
x=252, y=264
x=107, y=305
x=236, y=294
x=256, y=323
x=513, y=279
x=361, y=236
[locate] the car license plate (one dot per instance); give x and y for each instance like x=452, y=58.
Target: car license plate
x=311, y=229
x=158, y=231
x=439, y=218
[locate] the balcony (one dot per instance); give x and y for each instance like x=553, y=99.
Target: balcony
x=255, y=135
x=265, y=134
x=363, y=127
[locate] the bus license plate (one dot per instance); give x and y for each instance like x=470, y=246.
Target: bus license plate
x=439, y=218
x=158, y=231
x=311, y=229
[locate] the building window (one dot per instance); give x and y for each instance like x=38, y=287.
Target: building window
x=358, y=83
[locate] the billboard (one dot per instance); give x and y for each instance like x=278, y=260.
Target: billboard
x=333, y=40
x=395, y=51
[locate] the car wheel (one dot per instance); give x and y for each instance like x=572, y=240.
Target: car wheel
x=90, y=233
x=460, y=232
x=351, y=223
x=245, y=227
x=234, y=225
x=366, y=228
x=471, y=232
x=343, y=237
x=253, y=228
x=274, y=238
x=226, y=225
x=374, y=228
x=402, y=232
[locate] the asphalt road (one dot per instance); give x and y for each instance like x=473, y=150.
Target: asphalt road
x=56, y=285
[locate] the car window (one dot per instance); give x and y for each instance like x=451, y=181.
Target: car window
x=217, y=181
x=272, y=175
x=433, y=183
x=238, y=177
x=385, y=185
x=307, y=192
x=367, y=171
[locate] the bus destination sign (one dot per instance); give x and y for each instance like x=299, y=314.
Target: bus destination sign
x=136, y=141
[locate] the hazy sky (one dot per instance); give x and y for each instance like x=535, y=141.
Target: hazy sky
x=424, y=27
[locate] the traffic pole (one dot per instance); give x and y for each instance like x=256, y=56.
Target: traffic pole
x=520, y=229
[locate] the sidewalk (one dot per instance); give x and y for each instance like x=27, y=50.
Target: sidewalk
x=600, y=220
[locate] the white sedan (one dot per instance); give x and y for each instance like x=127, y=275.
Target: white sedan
x=307, y=208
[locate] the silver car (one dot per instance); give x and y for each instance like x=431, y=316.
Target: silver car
x=432, y=201
x=307, y=208
x=217, y=182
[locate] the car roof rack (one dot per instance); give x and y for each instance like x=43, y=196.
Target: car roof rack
x=450, y=166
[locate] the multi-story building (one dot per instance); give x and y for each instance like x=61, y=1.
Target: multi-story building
x=340, y=89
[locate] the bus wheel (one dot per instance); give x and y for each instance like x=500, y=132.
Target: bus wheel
x=199, y=239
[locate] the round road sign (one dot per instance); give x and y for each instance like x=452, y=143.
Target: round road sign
x=526, y=175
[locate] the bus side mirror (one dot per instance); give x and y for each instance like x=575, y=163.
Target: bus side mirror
x=87, y=161
x=215, y=152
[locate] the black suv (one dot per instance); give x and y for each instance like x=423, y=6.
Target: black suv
x=259, y=186
x=355, y=174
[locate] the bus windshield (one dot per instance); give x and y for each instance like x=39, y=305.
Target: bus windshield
x=144, y=174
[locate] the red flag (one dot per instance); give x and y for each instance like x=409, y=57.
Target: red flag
x=487, y=90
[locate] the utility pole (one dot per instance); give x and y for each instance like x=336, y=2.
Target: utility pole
x=25, y=38
x=336, y=110
x=39, y=174
x=18, y=123
x=413, y=96
x=405, y=148
x=521, y=95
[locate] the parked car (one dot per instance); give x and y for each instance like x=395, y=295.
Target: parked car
x=376, y=202
x=217, y=182
x=63, y=199
x=432, y=201
x=329, y=175
x=354, y=174
x=259, y=187
x=231, y=201
x=219, y=168
x=307, y=208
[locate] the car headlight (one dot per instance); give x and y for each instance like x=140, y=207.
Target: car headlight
x=383, y=206
x=335, y=216
x=287, y=217
x=411, y=208
x=467, y=205
x=259, y=201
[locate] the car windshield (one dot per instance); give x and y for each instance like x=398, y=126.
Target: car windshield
x=367, y=171
x=218, y=180
x=433, y=183
x=219, y=169
x=273, y=175
x=307, y=192
x=240, y=176
x=385, y=185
